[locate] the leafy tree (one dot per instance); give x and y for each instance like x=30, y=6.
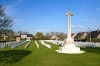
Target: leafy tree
x=8, y=34
x=11, y=35
x=39, y=35
x=47, y=36
x=61, y=35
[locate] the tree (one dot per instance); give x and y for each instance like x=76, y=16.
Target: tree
x=47, y=36
x=25, y=32
x=62, y=36
x=52, y=33
x=7, y=34
x=21, y=32
x=5, y=21
x=10, y=35
x=39, y=35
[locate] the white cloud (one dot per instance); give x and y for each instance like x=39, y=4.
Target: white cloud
x=10, y=9
x=77, y=26
x=80, y=26
x=73, y=26
x=17, y=2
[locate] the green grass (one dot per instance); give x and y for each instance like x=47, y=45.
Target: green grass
x=43, y=56
x=7, y=48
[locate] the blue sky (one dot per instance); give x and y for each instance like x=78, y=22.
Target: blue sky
x=49, y=15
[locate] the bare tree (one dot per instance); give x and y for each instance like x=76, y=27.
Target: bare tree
x=5, y=21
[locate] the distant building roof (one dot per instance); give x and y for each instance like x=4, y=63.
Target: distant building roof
x=17, y=36
x=79, y=34
x=95, y=33
x=28, y=35
x=53, y=37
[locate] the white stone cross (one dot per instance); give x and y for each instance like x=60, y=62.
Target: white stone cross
x=69, y=24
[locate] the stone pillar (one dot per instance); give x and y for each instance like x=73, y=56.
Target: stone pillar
x=69, y=40
x=69, y=24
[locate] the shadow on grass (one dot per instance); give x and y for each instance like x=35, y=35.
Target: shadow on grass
x=12, y=56
x=93, y=50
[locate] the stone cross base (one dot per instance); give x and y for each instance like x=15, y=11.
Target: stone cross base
x=70, y=49
x=70, y=41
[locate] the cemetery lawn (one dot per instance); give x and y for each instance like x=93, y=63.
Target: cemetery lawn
x=43, y=56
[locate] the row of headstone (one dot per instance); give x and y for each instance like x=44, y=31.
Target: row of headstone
x=51, y=41
x=87, y=44
x=5, y=44
x=37, y=45
x=46, y=45
x=82, y=44
x=56, y=42
x=15, y=44
x=78, y=44
x=20, y=43
x=27, y=45
x=2, y=46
